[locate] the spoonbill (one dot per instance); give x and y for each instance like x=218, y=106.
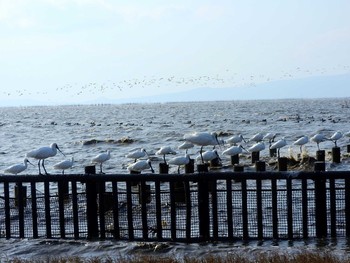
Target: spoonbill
x=63, y=165
x=318, y=138
x=233, y=150
x=137, y=154
x=43, y=153
x=18, y=168
x=258, y=137
x=278, y=145
x=257, y=147
x=235, y=139
x=185, y=146
x=101, y=158
x=208, y=156
x=140, y=165
x=202, y=139
x=270, y=137
x=335, y=137
x=179, y=161
x=301, y=141
x=164, y=151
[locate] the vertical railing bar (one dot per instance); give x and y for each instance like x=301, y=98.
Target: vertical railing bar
x=7, y=210
x=347, y=206
x=244, y=209
x=101, y=208
x=259, y=209
x=34, y=210
x=229, y=209
x=188, y=210
x=20, y=209
x=289, y=208
x=214, y=199
x=158, y=211
x=305, y=207
x=75, y=209
x=274, y=209
x=116, y=229
x=129, y=209
x=47, y=209
x=172, y=211
x=61, y=196
x=144, y=210
x=333, y=207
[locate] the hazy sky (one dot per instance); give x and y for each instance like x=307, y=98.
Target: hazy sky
x=77, y=50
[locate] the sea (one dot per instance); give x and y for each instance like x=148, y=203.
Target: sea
x=83, y=131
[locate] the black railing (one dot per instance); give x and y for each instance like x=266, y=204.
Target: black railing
x=191, y=207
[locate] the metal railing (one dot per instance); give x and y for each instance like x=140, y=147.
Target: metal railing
x=191, y=207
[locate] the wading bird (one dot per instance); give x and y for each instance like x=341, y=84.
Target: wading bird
x=18, y=168
x=318, y=138
x=137, y=154
x=202, y=139
x=278, y=145
x=140, y=165
x=335, y=137
x=43, y=153
x=164, y=151
x=101, y=158
x=180, y=161
x=64, y=165
x=301, y=141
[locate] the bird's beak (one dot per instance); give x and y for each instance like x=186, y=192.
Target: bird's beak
x=60, y=151
x=30, y=163
x=151, y=168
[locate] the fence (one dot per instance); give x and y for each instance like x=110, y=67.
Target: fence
x=191, y=207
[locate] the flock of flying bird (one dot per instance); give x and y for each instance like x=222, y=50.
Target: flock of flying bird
x=190, y=140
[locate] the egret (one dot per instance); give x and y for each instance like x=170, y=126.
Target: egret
x=101, y=158
x=258, y=147
x=18, y=168
x=301, y=141
x=140, y=165
x=278, y=145
x=180, y=160
x=43, y=153
x=202, y=139
x=164, y=151
x=185, y=146
x=233, y=150
x=235, y=139
x=137, y=154
x=335, y=137
x=63, y=165
x=257, y=137
x=318, y=138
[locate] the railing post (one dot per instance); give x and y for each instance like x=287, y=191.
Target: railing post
x=91, y=204
x=203, y=209
x=320, y=206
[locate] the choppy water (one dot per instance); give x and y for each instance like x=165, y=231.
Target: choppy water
x=151, y=126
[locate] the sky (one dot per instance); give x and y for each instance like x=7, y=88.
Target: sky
x=74, y=51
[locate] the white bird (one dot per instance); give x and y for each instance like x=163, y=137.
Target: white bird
x=42, y=153
x=137, y=154
x=301, y=141
x=140, y=165
x=202, y=139
x=208, y=156
x=179, y=161
x=235, y=139
x=185, y=146
x=278, y=145
x=335, y=137
x=101, y=158
x=257, y=147
x=164, y=151
x=318, y=138
x=233, y=150
x=257, y=137
x=63, y=165
x=270, y=137
x=18, y=168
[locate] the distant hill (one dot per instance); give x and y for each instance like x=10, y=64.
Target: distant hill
x=313, y=87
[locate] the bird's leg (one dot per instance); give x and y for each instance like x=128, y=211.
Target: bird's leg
x=42, y=163
x=164, y=159
x=101, y=169
x=278, y=153
x=201, y=150
x=39, y=167
x=318, y=146
x=301, y=151
x=178, y=169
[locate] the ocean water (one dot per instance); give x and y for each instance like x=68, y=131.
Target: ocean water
x=83, y=131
